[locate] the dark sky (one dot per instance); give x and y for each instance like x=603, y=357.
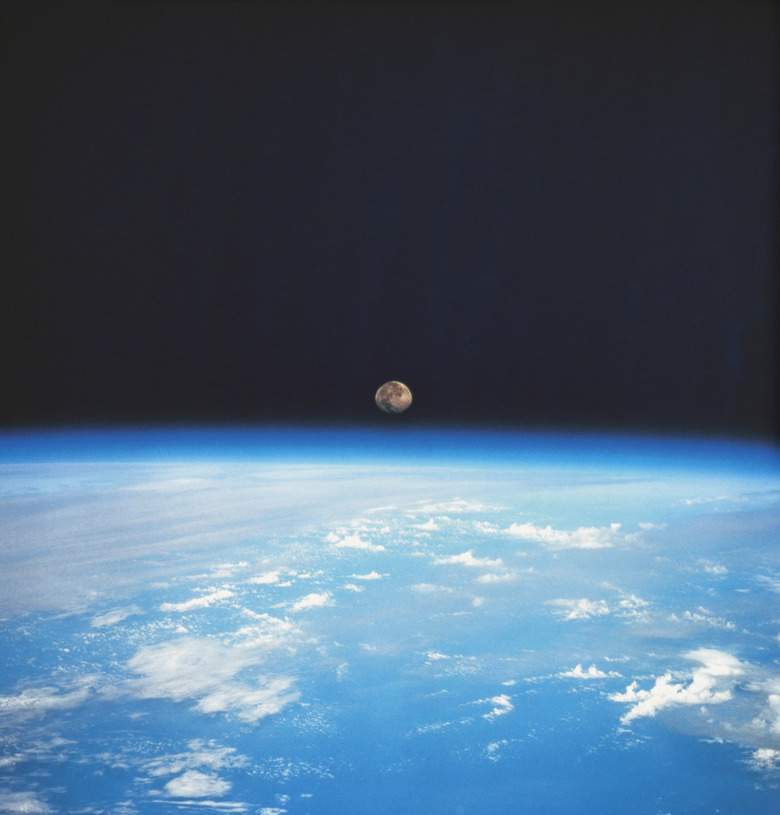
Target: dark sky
x=558, y=214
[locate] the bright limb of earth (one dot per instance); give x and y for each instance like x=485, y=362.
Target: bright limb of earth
x=338, y=621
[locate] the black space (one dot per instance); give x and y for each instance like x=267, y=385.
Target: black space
x=557, y=214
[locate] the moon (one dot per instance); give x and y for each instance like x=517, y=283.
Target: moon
x=393, y=397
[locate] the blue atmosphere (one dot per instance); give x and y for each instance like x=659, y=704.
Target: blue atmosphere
x=310, y=621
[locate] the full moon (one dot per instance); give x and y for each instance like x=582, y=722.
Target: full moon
x=393, y=397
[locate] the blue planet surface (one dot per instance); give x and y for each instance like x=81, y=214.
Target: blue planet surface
x=320, y=621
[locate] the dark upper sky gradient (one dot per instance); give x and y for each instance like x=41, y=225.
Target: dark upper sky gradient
x=533, y=213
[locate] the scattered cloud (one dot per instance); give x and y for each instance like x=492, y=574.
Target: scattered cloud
x=580, y=609
x=705, y=617
x=586, y=537
x=199, y=602
x=713, y=568
x=468, y=559
x=353, y=542
x=592, y=673
x=630, y=605
x=494, y=750
x=313, y=600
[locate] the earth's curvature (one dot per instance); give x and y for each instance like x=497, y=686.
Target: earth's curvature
x=330, y=622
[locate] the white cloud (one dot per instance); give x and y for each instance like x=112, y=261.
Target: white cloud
x=766, y=759
x=223, y=570
x=267, y=631
x=23, y=803
x=36, y=701
x=429, y=588
x=353, y=587
x=705, y=617
x=313, y=600
x=713, y=568
x=493, y=750
x=456, y=505
x=503, y=577
x=194, y=784
x=592, y=673
x=486, y=528
x=586, y=537
x=198, y=602
x=369, y=576
x=712, y=683
x=115, y=616
x=429, y=526
x=200, y=754
x=205, y=670
x=251, y=704
x=502, y=705
x=468, y=559
x=267, y=579
x=353, y=542
x=580, y=609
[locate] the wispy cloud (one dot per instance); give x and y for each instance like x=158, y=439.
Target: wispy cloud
x=581, y=609
x=429, y=526
x=114, y=616
x=205, y=670
x=703, y=616
x=508, y=576
x=200, y=754
x=585, y=537
x=23, y=803
x=713, y=568
x=36, y=701
x=430, y=588
x=199, y=602
x=457, y=505
x=468, y=559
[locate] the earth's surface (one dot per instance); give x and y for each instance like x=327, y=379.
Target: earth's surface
x=342, y=622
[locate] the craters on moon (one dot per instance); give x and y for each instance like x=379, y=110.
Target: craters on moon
x=393, y=397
